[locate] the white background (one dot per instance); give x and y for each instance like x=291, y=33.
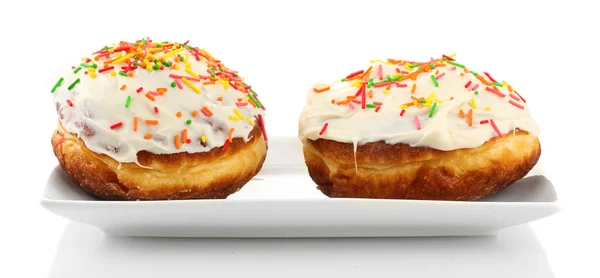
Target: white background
x=547, y=50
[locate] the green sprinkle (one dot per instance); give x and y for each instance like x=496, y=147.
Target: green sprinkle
x=235, y=74
x=95, y=66
x=158, y=45
x=137, y=57
x=135, y=64
x=77, y=70
x=105, y=48
x=163, y=62
x=456, y=64
x=435, y=82
x=474, y=73
x=212, y=69
x=221, y=68
x=85, y=65
x=213, y=75
x=476, y=92
x=189, y=122
x=143, y=41
x=155, y=61
x=258, y=104
x=127, y=101
x=498, y=84
x=370, y=83
x=344, y=79
x=173, y=84
x=122, y=73
x=244, y=83
x=413, y=66
x=168, y=64
x=181, y=58
x=396, y=78
x=253, y=92
x=423, y=101
x=371, y=105
x=73, y=84
x=156, y=67
x=432, y=109
x=432, y=66
x=388, y=78
x=58, y=83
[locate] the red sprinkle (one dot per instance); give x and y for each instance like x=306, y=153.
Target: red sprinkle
x=468, y=84
x=377, y=109
x=155, y=109
x=449, y=58
x=440, y=75
x=492, y=90
x=484, y=122
x=178, y=82
x=105, y=69
x=364, y=96
x=117, y=125
x=324, y=128
x=380, y=72
x=402, y=112
x=401, y=85
x=516, y=104
x=69, y=103
x=377, y=102
x=354, y=74
x=475, y=87
x=514, y=97
x=139, y=89
x=383, y=84
x=238, y=104
x=262, y=126
x=186, y=77
x=495, y=127
x=189, y=141
x=520, y=97
x=225, y=144
x=488, y=75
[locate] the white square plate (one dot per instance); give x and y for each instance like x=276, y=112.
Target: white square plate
x=282, y=201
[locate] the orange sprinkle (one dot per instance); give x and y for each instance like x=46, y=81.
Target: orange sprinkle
x=470, y=117
x=148, y=136
x=151, y=122
x=388, y=87
x=414, y=98
x=229, y=136
x=414, y=87
x=366, y=73
x=437, y=72
x=333, y=101
x=130, y=74
x=177, y=142
x=150, y=97
x=184, y=136
x=208, y=83
x=195, y=113
x=251, y=102
x=462, y=74
x=343, y=102
x=135, y=123
x=178, y=114
x=220, y=99
x=123, y=87
x=451, y=98
x=370, y=94
x=210, y=113
x=462, y=113
x=321, y=88
x=408, y=104
x=483, y=80
x=465, y=70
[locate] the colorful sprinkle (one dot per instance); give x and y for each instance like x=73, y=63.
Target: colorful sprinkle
x=484, y=122
x=455, y=64
x=473, y=103
x=135, y=124
x=73, y=84
x=155, y=110
x=117, y=125
x=128, y=101
x=148, y=136
x=435, y=82
x=150, y=97
x=58, y=83
x=324, y=128
x=468, y=84
x=230, y=135
x=123, y=87
x=188, y=122
x=177, y=142
x=470, y=117
x=492, y=90
x=262, y=126
x=402, y=112
x=69, y=103
x=516, y=104
x=321, y=88
x=417, y=122
x=495, y=128
x=151, y=122
x=432, y=109
x=77, y=70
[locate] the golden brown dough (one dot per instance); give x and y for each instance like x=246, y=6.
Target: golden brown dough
x=403, y=172
x=210, y=175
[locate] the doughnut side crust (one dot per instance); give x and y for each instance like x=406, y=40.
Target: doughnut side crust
x=403, y=172
x=210, y=175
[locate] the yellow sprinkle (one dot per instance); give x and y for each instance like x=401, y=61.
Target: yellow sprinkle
x=139, y=49
x=453, y=54
x=224, y=83
x=357, y=83
x=385, y=91
x=149, y=67
x=397, y=75
x=177, y=66
x=250, y=121
x=82, y=58
x=189, y=70
x=113, y=73
x=171, y=53
x=234, y=118
x=237, y=112
x=207, y=54
x=415, y=102
x=92, y=74
x=406, y=66
x=187, y=82
x=372, y=61
x=404, y=106
x=154, y=50
x=473, y=103
x=117, y=61
x=487, y=108
x=203, y=139
x=438, y=100
x=426, y=104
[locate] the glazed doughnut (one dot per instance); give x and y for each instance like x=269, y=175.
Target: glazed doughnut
x=149, y=120
x=432, y=130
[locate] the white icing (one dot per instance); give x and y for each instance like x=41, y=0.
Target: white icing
x=445, y=130
x=98, y=103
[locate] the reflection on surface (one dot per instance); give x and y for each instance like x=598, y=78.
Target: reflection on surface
x=85, y=251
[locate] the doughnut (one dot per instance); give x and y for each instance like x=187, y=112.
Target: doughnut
x=150, y=120
x=431, y=130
